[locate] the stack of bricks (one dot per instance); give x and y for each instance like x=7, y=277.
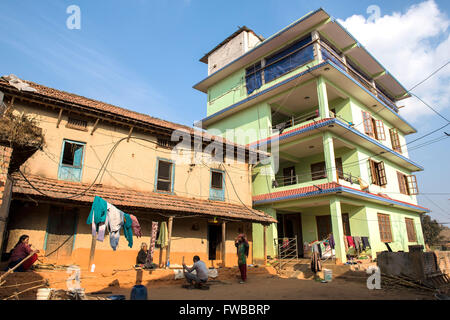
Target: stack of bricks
x=5, y=158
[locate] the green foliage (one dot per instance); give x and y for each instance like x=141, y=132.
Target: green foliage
x=431, y=230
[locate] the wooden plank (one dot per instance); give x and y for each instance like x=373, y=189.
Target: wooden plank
x=129, y=134
x=224, y=240
x=59, y=117
x=95, y=126
x=16, y=266
x=92, y=254
x=169, y=241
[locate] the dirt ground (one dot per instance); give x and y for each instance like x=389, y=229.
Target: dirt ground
x=262, y=284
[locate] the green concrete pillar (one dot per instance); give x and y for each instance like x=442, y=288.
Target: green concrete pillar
x=330, y=162
x=324, y=111
x=338, y=230
x=258, y=237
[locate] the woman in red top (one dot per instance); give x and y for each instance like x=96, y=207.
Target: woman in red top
x=22, y=250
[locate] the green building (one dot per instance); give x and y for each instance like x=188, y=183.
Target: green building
x=328, y=112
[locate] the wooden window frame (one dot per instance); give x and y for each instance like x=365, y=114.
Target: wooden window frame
x=403, y=187
x=384, y=225
x=407, y=184
x=378, y=173
x=411, y=183
x=395, y=140
x=411, y=230
x=368, y=124
x=380, y=133
x=171, y=178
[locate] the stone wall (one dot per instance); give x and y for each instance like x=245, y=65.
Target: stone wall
x=5, y=188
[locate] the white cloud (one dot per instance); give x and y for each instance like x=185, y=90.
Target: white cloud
x=410, y=45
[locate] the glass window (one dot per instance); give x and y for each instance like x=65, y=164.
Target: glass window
x=217, y=180
x=384, y=224
x=164, y=182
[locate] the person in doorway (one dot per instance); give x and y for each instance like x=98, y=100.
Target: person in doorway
x=201, y=276
x=20, y=251
x=142, y=255
x=241, y=244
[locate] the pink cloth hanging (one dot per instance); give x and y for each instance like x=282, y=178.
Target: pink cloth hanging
x=350, y=241
x=135, y=226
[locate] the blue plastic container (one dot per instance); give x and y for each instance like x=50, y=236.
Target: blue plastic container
x=139, y=292
x=117, y=297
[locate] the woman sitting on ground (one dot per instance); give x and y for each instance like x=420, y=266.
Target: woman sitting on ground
x=142, y=255
x=20, y=251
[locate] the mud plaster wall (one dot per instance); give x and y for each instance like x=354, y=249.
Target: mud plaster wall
x=32, y=220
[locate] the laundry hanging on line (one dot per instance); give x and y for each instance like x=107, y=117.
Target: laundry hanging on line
x=151, y=250
x=105, y=215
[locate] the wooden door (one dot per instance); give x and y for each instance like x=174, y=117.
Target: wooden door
x=60, y=232
x=346, y=224
x=323, y=227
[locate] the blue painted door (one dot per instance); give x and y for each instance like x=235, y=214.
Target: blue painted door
x=71, y=164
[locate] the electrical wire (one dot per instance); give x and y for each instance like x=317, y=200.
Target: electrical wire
x=431, y=75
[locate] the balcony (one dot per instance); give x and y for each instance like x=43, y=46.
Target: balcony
x=316, y=178
x=329, y=54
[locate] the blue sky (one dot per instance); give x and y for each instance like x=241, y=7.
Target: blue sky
x=143, y=55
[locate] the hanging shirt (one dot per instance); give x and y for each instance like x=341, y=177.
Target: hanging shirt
x=115, y=219
x=97, y=217
x=365, y=242
x=163, y=237
x=127, y=230
x=350, y=241
x=98, y=212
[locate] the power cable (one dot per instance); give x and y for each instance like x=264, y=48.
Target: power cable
x=432, y=74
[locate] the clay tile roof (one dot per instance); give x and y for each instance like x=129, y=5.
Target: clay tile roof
x=63, y=96
x=128, y=198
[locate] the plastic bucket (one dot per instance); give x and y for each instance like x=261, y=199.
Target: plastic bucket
x=327, y=275
x=43, y=293
x=139, y=292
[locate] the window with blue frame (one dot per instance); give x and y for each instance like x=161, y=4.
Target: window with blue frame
x=164, y=176
x=291, y=57
x=71, y=164
x=217, y=188
x=253, y=77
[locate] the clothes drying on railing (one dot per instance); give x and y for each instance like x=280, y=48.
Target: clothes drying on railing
x=360, y=244
x=323, y=248
x=104, y=215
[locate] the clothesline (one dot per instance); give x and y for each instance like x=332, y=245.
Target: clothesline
x=104, y=215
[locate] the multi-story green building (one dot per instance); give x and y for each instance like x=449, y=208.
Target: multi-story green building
x=328, y=111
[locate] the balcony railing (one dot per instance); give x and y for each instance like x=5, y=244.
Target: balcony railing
x=305, y=117
x=330, y=54
x=284, y=181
